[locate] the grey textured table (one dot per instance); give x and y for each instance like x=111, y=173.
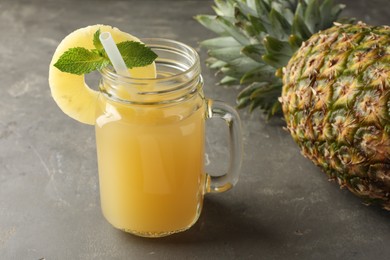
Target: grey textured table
x=282, y=208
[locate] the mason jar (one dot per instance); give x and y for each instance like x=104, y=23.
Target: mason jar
x=150, y=136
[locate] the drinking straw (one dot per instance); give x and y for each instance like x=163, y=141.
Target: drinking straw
x=113, y=54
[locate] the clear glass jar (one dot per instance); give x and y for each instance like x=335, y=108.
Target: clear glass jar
x=150, y=136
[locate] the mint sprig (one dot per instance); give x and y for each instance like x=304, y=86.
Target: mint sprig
x=80, y=60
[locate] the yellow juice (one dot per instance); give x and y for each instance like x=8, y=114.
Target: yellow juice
x=151, y=165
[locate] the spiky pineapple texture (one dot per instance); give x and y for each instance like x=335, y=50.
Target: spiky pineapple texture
x=257, y=38
x=336, y=102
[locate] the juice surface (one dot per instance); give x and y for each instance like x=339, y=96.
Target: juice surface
x=151, y=165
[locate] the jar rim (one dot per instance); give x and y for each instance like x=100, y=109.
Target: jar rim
x=178, y=75
x=109, y=72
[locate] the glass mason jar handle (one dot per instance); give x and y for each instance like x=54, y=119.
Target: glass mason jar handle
x=218, y=109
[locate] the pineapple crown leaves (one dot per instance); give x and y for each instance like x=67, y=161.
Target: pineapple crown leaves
x=256, y=39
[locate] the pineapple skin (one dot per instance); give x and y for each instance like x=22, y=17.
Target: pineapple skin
x=335, y=101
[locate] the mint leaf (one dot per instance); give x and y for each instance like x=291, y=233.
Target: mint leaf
x=80, y=61
x=96, y=41
x=136, y=54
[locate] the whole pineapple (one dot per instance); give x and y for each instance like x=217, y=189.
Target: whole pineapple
x=336, y=87
x=336, y=102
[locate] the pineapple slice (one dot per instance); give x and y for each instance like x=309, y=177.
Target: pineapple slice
x=70, y=91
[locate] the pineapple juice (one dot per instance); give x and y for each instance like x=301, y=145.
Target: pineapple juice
x=151, y=162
